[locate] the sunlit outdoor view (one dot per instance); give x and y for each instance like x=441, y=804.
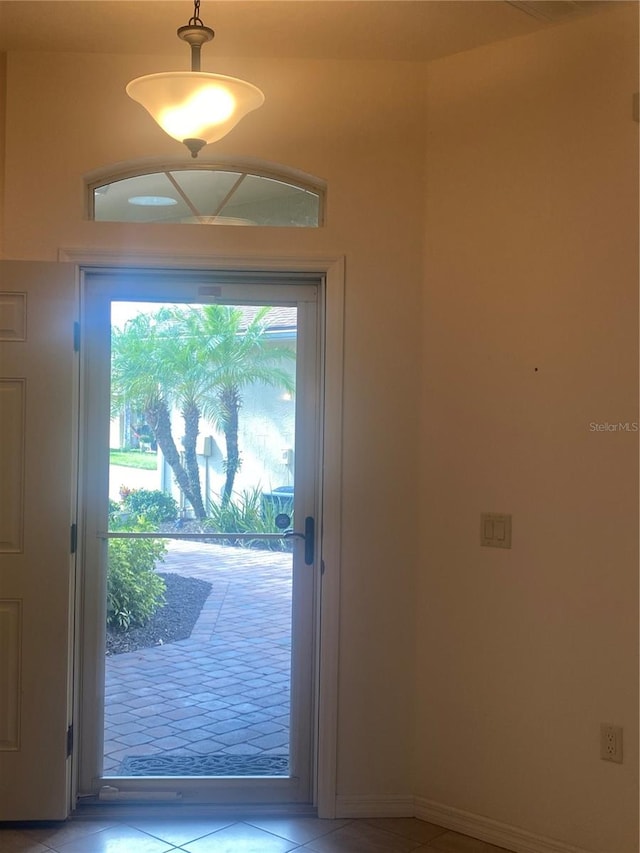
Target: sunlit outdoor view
x=202, y=453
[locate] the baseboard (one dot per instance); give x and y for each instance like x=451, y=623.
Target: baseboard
x=392, y=805
x=485, y=829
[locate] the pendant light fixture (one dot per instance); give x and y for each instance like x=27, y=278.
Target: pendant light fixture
x=195, y=107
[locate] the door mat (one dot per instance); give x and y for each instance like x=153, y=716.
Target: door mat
x=204, y=765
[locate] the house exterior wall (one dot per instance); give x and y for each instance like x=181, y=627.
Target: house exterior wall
x=321, y=118
x=530, y=332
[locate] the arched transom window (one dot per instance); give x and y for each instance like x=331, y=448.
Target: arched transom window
x=210, y=195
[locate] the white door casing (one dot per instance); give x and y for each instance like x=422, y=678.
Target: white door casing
x=99, y=287
x=37, y=495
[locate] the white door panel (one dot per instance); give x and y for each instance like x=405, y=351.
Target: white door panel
x=37, y=398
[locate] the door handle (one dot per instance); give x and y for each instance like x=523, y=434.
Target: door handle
x=309, y=539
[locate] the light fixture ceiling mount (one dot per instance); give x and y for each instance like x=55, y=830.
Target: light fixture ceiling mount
x=195, y=107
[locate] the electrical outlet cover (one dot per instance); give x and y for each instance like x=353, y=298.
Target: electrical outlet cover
x=611, y=743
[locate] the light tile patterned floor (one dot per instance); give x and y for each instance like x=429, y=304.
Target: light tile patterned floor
x=223, y=691
x=266, y=835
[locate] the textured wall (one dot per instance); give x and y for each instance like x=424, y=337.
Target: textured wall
x=531, y=335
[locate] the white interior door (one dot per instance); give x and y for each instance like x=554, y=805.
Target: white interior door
x=105, y=296
x=37, y=398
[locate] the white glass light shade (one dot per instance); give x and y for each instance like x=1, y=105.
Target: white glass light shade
x=195, y=104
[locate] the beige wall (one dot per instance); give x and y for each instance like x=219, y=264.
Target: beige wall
x=530, y=332
x=320, y=118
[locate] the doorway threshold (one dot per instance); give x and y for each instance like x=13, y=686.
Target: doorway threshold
x=91, y=808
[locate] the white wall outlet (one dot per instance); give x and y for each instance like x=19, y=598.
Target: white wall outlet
x=611, y=743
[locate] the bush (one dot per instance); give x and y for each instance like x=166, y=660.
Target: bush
x=242, y=514
x=246, y=513
x=153, y=505
x=134, y=590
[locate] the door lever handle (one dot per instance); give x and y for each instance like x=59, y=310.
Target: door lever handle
x=309, y=538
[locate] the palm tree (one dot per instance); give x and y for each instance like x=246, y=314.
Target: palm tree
x=152, y=370
x=181, y=354
x=236, y=353
x=197, y=360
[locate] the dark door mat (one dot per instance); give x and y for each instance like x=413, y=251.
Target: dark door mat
x=204, y=765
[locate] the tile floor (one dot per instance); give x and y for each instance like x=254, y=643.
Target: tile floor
x=262, y=835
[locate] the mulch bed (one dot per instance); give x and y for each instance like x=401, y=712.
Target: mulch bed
x=184, y=599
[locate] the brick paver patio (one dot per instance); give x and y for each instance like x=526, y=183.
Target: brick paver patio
x=225, y=690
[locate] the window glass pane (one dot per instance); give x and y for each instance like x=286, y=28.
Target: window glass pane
x=206, y=189
x=145, y=198
x=209, y=196
x=265, y=201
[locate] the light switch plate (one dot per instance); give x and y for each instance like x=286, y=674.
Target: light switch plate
x=495, y=530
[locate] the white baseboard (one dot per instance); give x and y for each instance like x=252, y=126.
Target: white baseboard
x=485, y=829
x=392, y=805
x=457, y=820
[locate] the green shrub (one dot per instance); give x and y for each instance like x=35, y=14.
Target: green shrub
x=153, y=505
x=246, y=513
x=242, y=514
x=134, y=590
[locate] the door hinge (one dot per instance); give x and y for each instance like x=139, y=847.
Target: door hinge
x=73, y=538
x=76, y=337
x=69, y=740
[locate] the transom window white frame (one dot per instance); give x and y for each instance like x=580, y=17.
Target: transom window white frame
x=207, y=193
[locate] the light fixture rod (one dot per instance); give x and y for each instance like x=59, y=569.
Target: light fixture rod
x=195, y=57
x=195, y=36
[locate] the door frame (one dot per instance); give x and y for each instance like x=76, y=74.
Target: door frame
x=331, y=273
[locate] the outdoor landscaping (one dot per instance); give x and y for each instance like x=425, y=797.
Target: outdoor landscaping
x=133, y=459
x=189, y=365
x=183, y=599
x=146, y=607
x=198, y=633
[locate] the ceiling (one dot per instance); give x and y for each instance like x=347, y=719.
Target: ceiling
x=416, y=30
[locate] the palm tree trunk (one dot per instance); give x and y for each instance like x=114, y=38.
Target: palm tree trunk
x=191, y=416
x=158, y=419
x=230, y=405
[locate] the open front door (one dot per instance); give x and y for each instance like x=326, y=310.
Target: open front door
x=37, y=309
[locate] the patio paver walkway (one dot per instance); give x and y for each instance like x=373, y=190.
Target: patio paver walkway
x=223, y=691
